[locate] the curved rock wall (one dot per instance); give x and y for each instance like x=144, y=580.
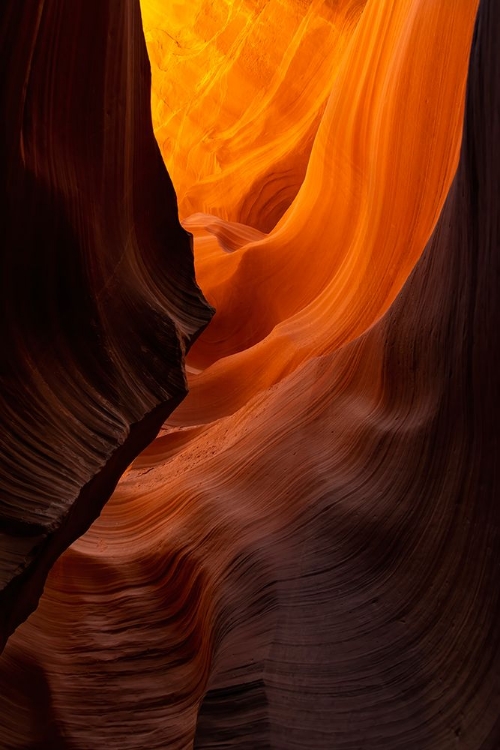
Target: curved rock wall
x=99, y=302
x=381, y=164
x=307, y=555
x=238, y=92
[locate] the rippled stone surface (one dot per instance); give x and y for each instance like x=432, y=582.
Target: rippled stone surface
x=239, y=88
x=307, y=555
x=99, y=301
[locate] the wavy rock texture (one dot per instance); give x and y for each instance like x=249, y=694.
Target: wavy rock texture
x=370, y=199
x=239, y=87
x=308, y=554
x=99, y=302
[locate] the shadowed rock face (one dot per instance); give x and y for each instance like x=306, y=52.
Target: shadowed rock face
x=314, y=563
x=98, y=298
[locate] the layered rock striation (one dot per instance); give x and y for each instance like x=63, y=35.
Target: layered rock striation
x=99, y=301
x=238, y=92
x=307, y=555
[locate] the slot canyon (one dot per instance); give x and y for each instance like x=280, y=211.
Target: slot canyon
x=250, y=375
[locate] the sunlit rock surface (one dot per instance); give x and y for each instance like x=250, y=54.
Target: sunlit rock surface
x=99, y=302
x=308, y=554
x=239, y=87
x=381, y=164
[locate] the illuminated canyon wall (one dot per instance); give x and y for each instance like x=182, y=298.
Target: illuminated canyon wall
x=307, y=555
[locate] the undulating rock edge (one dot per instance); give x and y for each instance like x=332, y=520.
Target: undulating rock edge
x=387, y=629
x=316, y=566
x=98, y=294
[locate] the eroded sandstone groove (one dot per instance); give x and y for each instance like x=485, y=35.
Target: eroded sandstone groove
x=99, y=301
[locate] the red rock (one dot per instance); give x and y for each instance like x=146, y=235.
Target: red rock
x=316, y=566
x=99, y=301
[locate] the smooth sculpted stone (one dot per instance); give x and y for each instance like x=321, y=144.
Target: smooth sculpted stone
x=99, y=302
x=239, y=88
x=377, y=177
x=307, y=556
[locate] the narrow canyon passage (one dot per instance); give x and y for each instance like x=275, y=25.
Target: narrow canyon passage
x=307, y=554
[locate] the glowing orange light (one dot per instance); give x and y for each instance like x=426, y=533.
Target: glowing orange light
x=311, y=146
